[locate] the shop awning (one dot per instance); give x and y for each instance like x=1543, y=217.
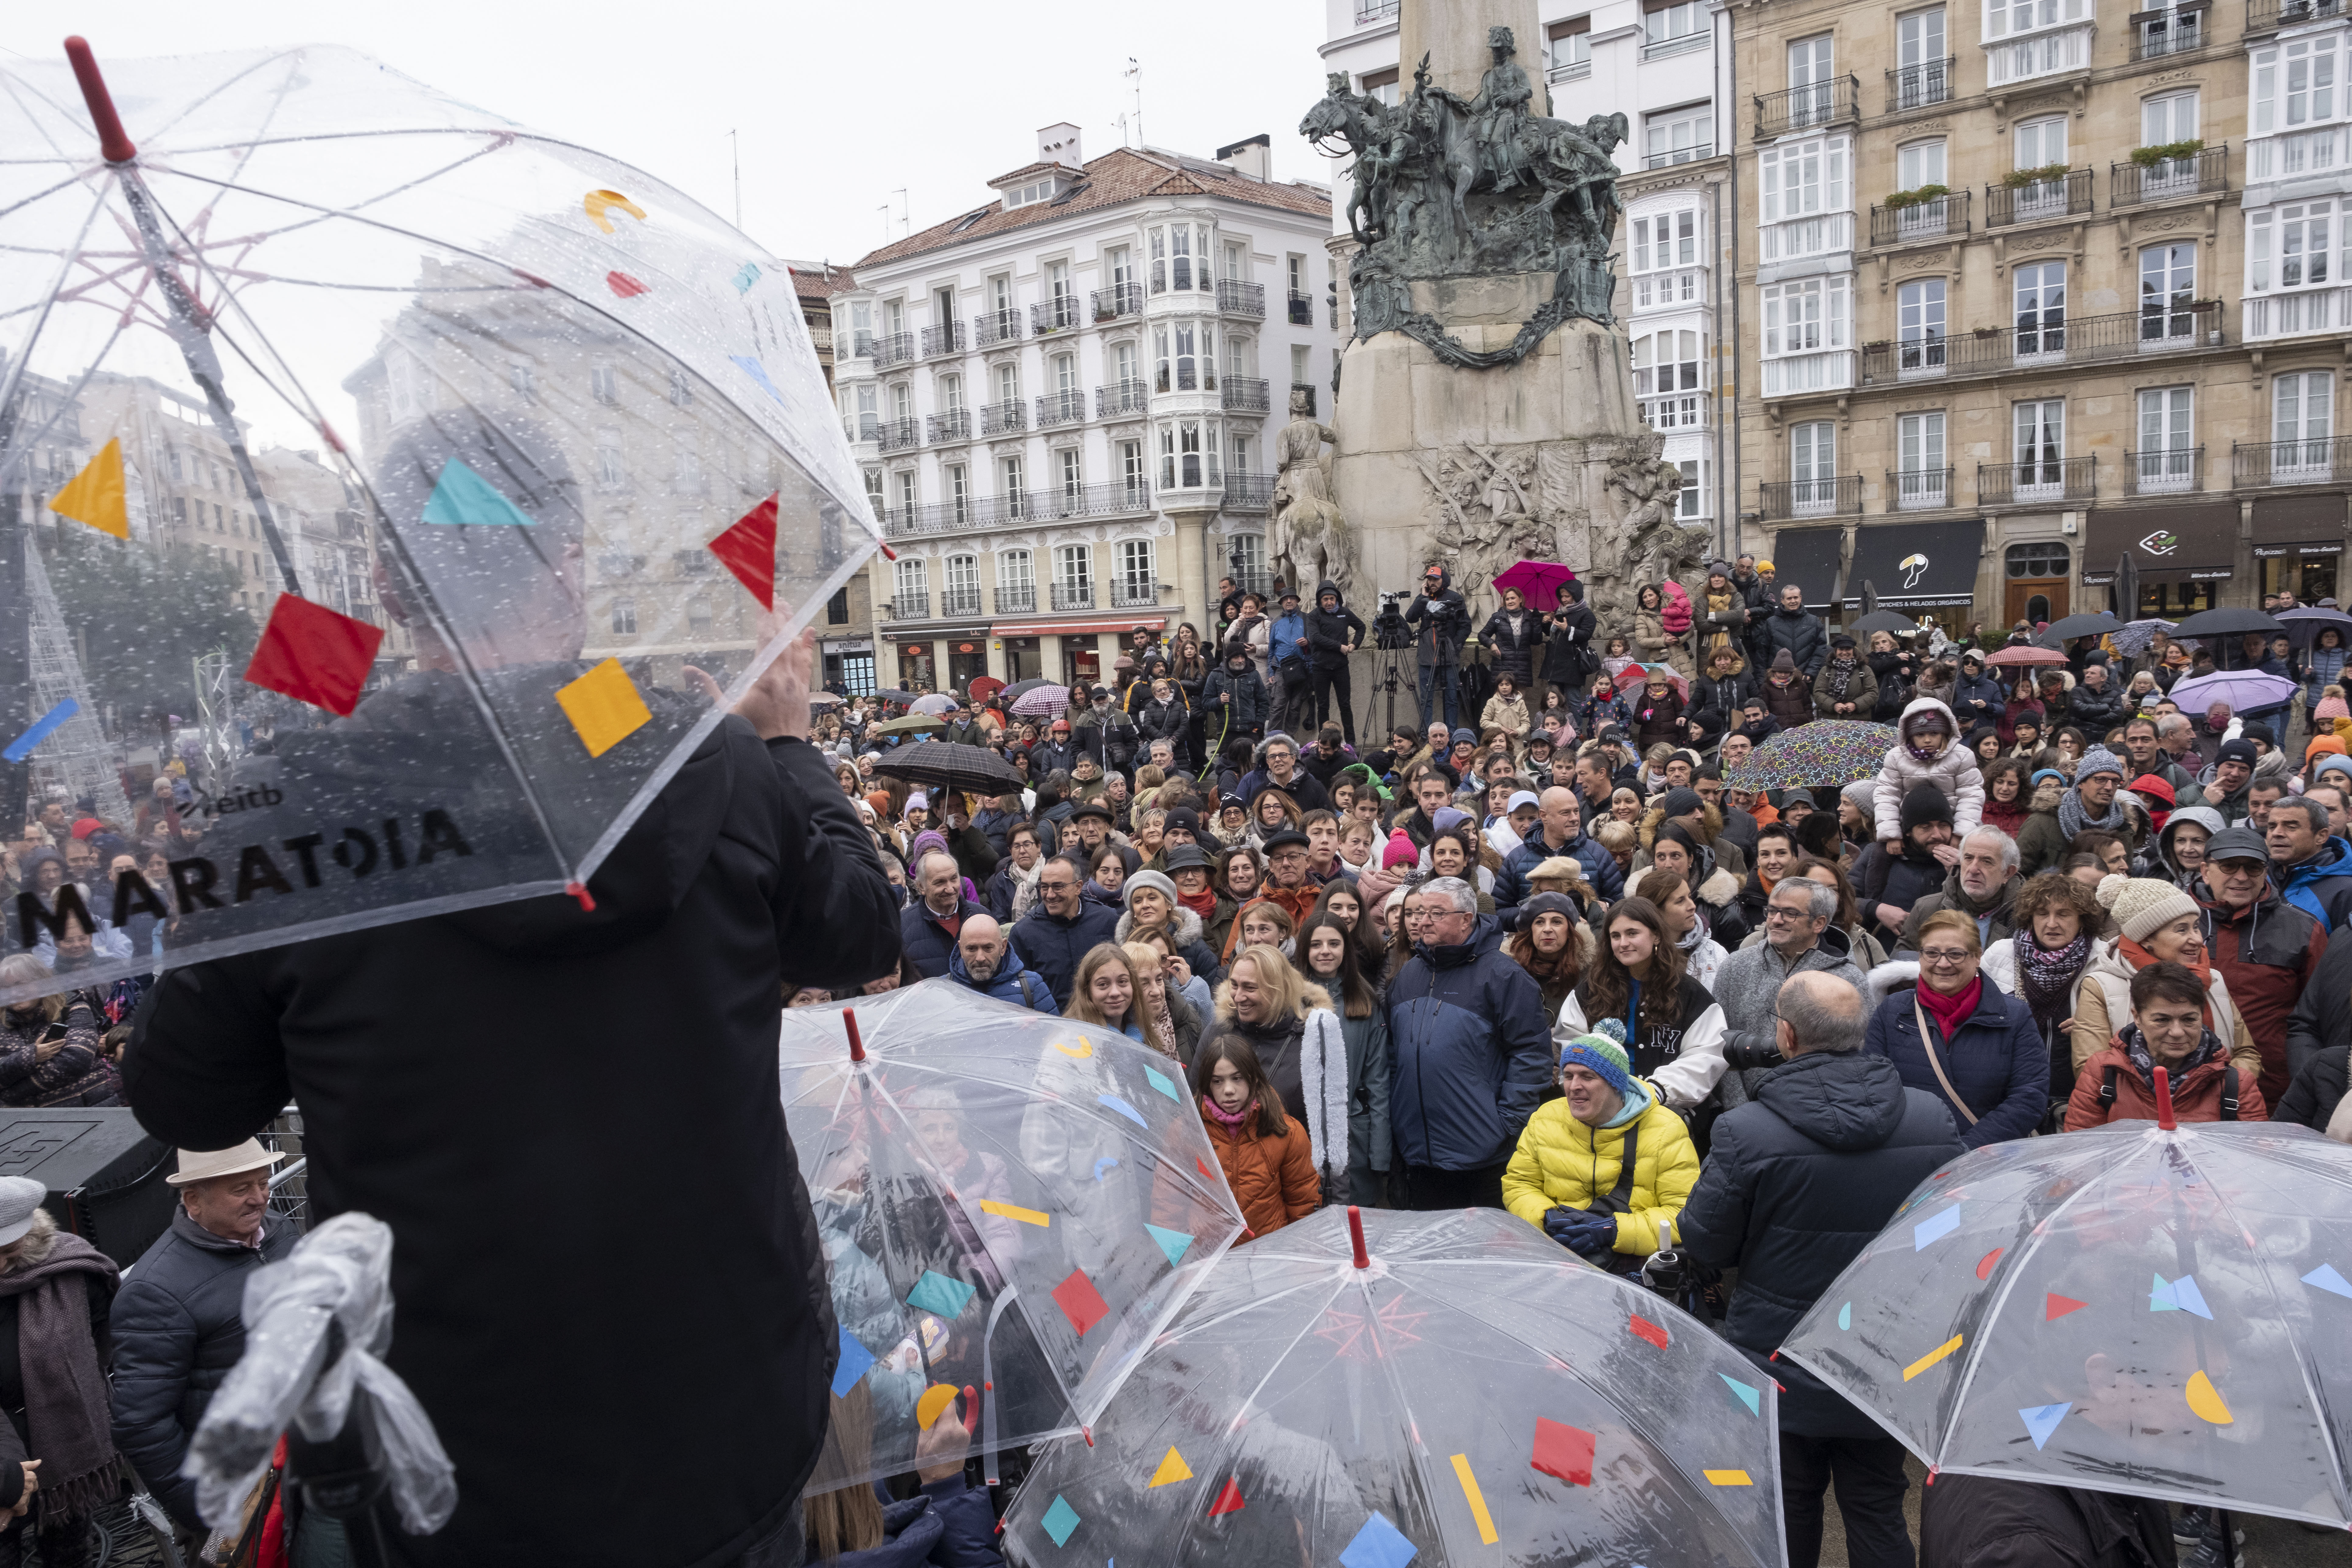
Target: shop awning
x=1124, y=625
x=2298, y=525
x=2195, y=543
x=1915, y=566
x=933, y=634
x=1809, y=558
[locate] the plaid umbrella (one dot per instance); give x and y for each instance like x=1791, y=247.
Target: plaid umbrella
x=1825, y=752
x=1044, y=701
x=2025, y=653
x=948, y=764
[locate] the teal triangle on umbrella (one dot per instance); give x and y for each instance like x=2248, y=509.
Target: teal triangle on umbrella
x=461, y=496
x=2042, y=1419
x=1747, y=1395
x=1174, y=1243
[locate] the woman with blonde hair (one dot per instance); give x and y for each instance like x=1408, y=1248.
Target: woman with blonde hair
x=1179, y=1026
x=1294, y=1030
x=1105, y=991
x=49, y=1046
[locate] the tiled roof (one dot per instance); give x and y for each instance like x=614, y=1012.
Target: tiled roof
x=1120, y=175
x=1025, y=170
x=818, y=281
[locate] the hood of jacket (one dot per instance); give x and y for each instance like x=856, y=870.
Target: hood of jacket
x=1328, y=587
x=1844, y=1100
x=2333, y=859
x=1311, y=998
x=1918, y=705
x=1484, y=937
x=1184, y=927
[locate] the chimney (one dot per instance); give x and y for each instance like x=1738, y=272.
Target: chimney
x=1059, y=144
x=1252, y=158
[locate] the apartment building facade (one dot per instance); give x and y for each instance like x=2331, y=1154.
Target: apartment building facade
x=2030, y=285
x=1665, y=66
x=1062, y=399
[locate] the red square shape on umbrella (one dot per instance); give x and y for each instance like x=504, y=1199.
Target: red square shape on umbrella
x=1564, y=1451
x=1080, y=1302
x=1644, y=1329
x=311, y=653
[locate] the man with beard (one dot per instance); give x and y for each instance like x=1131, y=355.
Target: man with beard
x=984, y=962
x=2091, y=806
x=1887, y=886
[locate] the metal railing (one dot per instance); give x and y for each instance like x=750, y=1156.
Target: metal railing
x=1005, y=418
x=1114, y=498
x=1804, y=108
x=2294, y=313
x=1118, y=300
x=893, y=348
x=955, y=425
x=861, y=345
x=1130, y=396
x=1061, y=408
x=1126, y=596
x=2316, y=461
x=2172, y=471
x=2268, y=16
x=2082, y=340
x=1236, y=298
x=908, y=607
x=1371, y=11
x=959, y=601
x=1787, y=499
x=1302, y=309
x=1185, y=378
x=1015, y=599
x=1074, y=596
x=2200, y=173
x=1059, y=314
x=2065, y=198
x=2027, y=483
x=900, y=434
x=996, y=327
x=1678, y=155
x=1245, y=394
x=1939, y=218
x=946, y=339
x=2176, y=33
x=862, y=428
x=1920, y=85
x=1249, y=492
x=1918, y=490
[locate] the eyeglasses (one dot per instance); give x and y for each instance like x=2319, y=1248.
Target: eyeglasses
x=1782, y=912
x=1057, y=886
x=1945, y=957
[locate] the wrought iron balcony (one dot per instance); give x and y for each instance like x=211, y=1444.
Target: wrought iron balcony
x=2318, y=461
x=996, y=327
x=2042, y=341
x=908, y=607
x=1122, y=397
x=1788, y=498
x=945, y=339
x=1302, y=309
x=864, y=428
x=1920, y=85
x=1249, y=492
x=1938, y=217
x=1674, y=155
x=893, y=348
x=1112, y=498
x=900, y=434
x=1015, y=598
x=1118, y=300
x=1057, y=408
x=955, y=425
x=954, y=602
x=2067, y=196
x=1918, y=490
x=2174, y=470
x=1061, y=313
x=2158, y=34
x=2200, y=173
x=1126, y=596
x=1245, y=394
x=2270, y=16
x=1186, y=378
x=860, y=345
x=1007, y=418
x=1074, y=596
x=1236, y=298
x=2032, y=483
x=1817, y=104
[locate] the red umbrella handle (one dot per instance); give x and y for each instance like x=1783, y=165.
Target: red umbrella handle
x=1355, y=1235
x=114, y=142
x=2164, y=1102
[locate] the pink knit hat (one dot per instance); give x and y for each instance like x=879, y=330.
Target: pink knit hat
x=1401, y=851
x=2332, y=708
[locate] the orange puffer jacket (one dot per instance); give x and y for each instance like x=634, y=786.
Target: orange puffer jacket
x=1272, y=1179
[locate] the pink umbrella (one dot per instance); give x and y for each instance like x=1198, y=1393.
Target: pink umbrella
x=1633, y=676
x=1540, y=582
x=1042, y=702
x=2026, y=653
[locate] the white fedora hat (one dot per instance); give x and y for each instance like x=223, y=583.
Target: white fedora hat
x=196, y=1166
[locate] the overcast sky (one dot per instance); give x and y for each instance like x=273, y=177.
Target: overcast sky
x=839, y=104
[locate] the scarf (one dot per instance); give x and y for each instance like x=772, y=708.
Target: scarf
x=1951, y=1012
x=1209, y=1108
x=66, y=1413
x=2143, y=1061
x=1840, y=674
x=1202, y=903
x=2046, y=976
x=1164, y=1019
x=2073, y=819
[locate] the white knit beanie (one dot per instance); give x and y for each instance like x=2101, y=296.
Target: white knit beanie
x=2143, y=905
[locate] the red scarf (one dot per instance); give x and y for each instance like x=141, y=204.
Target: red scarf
x=1202, y=903
x=1951, y=1012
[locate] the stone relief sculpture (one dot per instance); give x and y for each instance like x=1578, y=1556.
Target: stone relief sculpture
x=1487, y=512
x=1309, y=543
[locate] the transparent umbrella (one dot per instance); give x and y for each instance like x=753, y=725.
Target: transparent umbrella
x=1008, y=1202
x=497, y=458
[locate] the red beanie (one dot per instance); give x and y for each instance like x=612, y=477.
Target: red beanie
x=1401, y=851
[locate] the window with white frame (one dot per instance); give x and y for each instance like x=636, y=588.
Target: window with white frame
x=1668, y=368
x=1157, y=241
x=1919, y=327
x=1131, y=471
x=2039, y=292
x=1073, y=571
x=1012, y=474
x=2168, y=291
x=1070, y=465
x=1168, y=456
x=912, y=589
x=1921, y=477
x=1812, y=79
x=2303, y=412
x=1665, y=258
x=1568, y=44
x=2166, y=456
x=2167, y=118
x=2040, y=143
x=1016, y=582
x=624, y=617
x=961, y=587
x=1692, y=499
x=1923, y=63
x=2026, y=38
x=1665, y=21
x=2302, y=245
x=1806, y=204
x=1918, y=163
x=1679, y=135
x=958, y=488
x=1240, y=461
x=906, y=494
x=2040, y=450
x=1065, y=374
x=2013, y=18
x=1812, y=467
x=1139, y=575
x=1805, y=326
x=2299, y=105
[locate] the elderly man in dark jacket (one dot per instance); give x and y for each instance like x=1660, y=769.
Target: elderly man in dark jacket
x=178, y=1320
x=1055, y=936
x=1796, y=1184
x=488, y=1147
x=1470, y=1048
x=927, y=927
x=1798, y=629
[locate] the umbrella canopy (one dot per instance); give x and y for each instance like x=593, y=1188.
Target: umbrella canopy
x=2131, y=1309
x=2224, y=623
x=2303, y=626
x=1020, y=688
x=1633, y=676
x=2245, y=690
x=2017, y=654
x=1008, y=1202
x=1825, y=752
x=2133, y=638
x=2065, y=629
x=908, y=724
x=1046, y=700
x=984, y=686
x=950, y=764
x=1463, y=1386
x=1883, y=621
x=374, y=325
x=932, y=702
x=892, y=694
x=1538, y=582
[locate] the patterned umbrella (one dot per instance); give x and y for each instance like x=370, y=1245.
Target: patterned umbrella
x=1044, y=701
x=1539, y=581
x=2023, y=654
x=949, y=765
x=2133, y=639
x=1825, y=752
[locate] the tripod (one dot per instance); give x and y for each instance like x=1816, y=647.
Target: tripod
x=1393, y=664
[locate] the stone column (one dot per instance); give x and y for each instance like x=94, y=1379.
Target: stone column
x=1452, y=33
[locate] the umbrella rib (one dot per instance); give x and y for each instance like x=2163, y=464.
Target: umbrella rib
x=17, y=367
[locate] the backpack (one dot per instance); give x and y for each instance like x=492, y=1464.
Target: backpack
x=2229, y=1090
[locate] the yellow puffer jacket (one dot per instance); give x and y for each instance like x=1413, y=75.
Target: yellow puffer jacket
x=1563, y=1164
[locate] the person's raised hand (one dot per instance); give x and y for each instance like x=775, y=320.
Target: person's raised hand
x=777, y=703
x=939, y=1450
x=1948, y=856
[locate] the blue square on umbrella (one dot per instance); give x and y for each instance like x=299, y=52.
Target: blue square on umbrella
x=1060, y=1520
x=935, y=1293
x=1378, y=1544
x=856, y=1359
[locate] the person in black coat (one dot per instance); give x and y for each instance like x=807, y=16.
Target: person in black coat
x=1719, y=693
x=2321, y=1021
x=1977, y=1522
x=1797, y=1182
x=2312, y=1099
x=1164, y=717
x=1333, y=632
x=1569, y=660
x=1064, y=927
x=488, y=1148
x=1886, y=887
x=1797, y=629
x=1515, y=634
x=1897, y=670
x=928, y=926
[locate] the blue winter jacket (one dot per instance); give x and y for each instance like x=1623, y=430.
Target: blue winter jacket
x=1053, y=946
x=1966, y=689
x=1470, y=1050
x=1014, y=981
x=1599, y=868
x=924, y=940
x=1996, y=1059
x=2320, y=887
x=1287, y=638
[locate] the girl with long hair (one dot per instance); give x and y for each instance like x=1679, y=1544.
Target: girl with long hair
x=1553, y=944
x=1291, y=1026
x=1674, y=1029
x=1333, y=959
x=1105, y=993
x=1344, y=901
x=1670, y=890
x=1268, y=1159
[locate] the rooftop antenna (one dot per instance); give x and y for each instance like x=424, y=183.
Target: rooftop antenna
x=1134, y=74
x=905, y=226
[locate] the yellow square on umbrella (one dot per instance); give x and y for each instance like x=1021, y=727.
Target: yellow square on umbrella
x=604, y=707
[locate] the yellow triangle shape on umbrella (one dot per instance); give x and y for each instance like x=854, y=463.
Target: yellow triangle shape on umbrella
x=94, y=496
x=1171, y=1468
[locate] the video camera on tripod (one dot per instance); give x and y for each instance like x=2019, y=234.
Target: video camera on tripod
x=1388, y=630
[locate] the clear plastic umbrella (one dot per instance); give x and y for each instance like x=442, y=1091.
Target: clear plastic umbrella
x=436, y=468
x=1446, y=1389
x=2142, y=1309
x=1009, y=1202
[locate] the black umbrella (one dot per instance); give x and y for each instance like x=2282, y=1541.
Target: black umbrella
x=2305, y=625
x=950, y=764
x=2224, y=623
x=1006, y=696
x=2063, y=630
x=1886, y=620
x=2124, y=593
x=892, y=694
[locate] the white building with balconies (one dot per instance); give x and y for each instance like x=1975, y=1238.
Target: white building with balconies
x=1062, y=399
